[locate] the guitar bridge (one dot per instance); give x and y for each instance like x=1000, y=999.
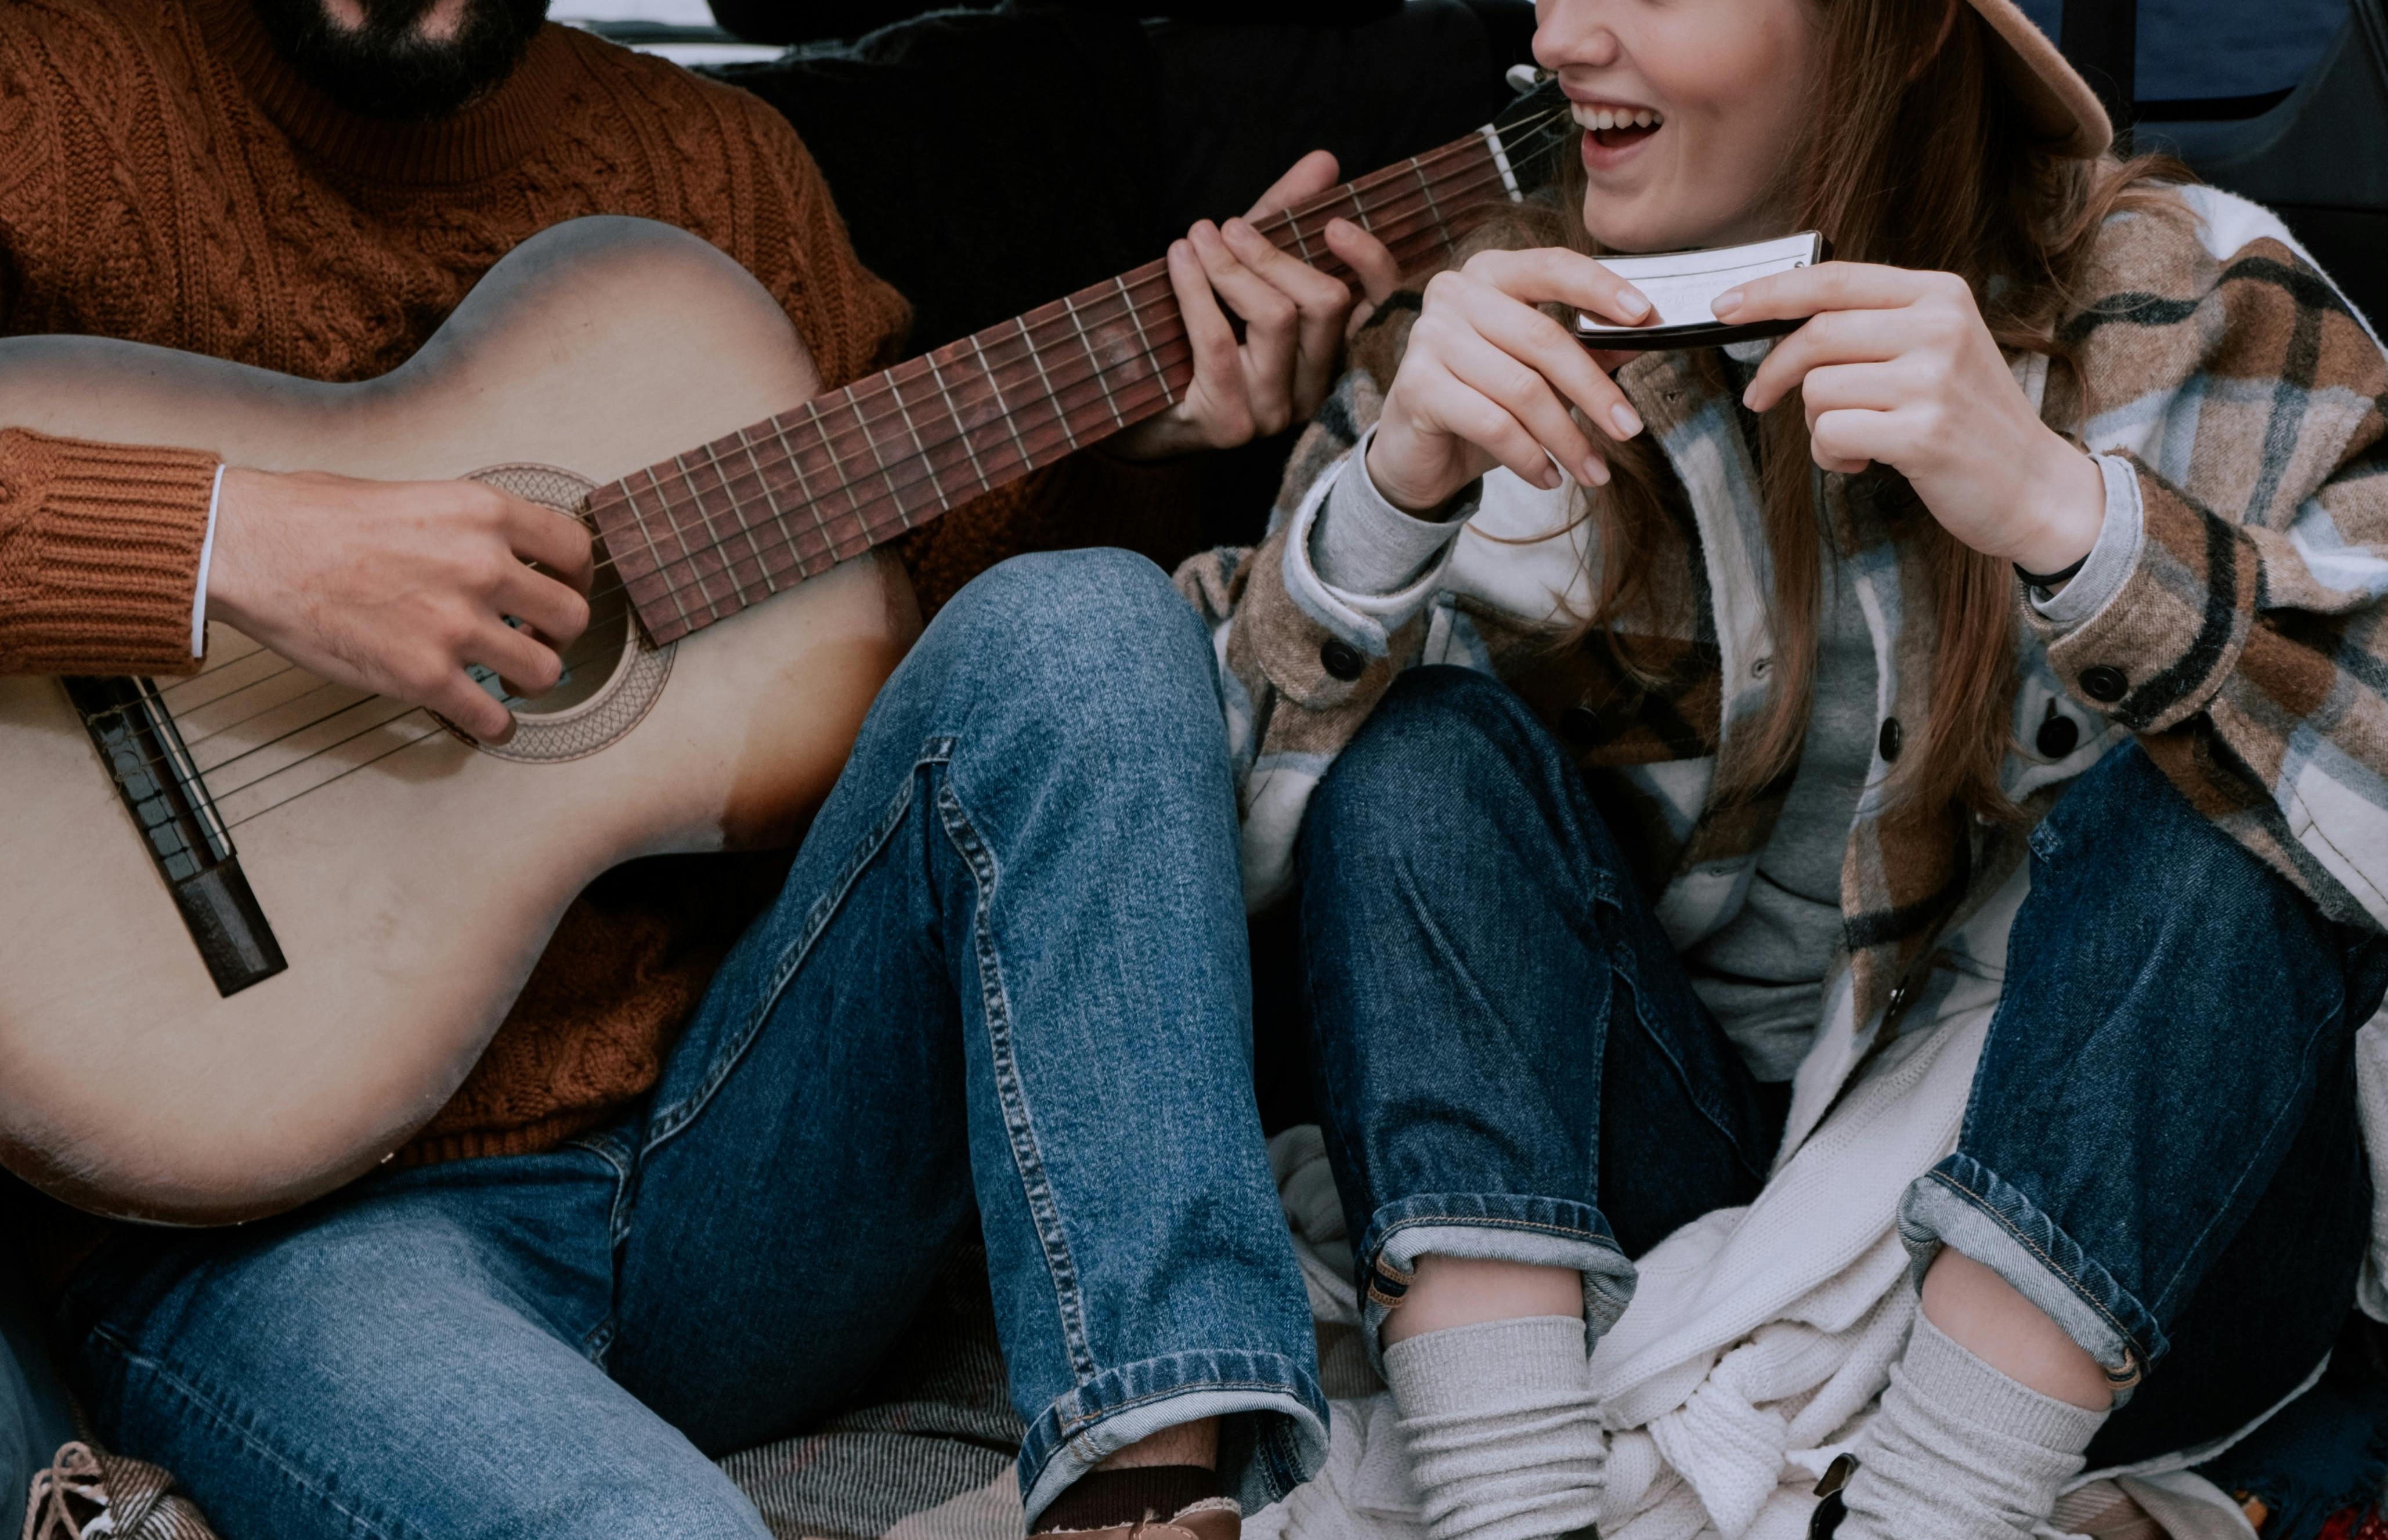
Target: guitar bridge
x=161, y=788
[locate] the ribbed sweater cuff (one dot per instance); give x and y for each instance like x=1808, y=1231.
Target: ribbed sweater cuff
x=99, y=554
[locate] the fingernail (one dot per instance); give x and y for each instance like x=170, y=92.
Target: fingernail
x=1634, y=303
x=1628, y=424
x=1727, y=302
x=1548, y=477
x=1749, y=398
x=1595, y=472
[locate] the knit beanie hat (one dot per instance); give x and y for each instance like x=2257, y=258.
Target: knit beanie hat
x=2061, y=104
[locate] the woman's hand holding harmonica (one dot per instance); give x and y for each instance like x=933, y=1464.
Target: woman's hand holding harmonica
x=1488, y=379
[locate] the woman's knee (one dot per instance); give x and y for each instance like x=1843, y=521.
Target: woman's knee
x=1443, y=740
x=1099, y=600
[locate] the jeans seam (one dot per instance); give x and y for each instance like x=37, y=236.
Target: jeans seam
x=2132, y=1343
x=239, y=1430
x=669, y=1121
x=1011, y=1096
x=1683, y=1076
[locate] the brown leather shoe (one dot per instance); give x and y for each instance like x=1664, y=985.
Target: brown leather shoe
x=1212, y=1519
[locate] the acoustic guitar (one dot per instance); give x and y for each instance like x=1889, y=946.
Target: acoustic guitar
x=256, y=927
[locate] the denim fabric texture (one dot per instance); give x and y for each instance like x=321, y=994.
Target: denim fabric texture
x=34, y=1417
x=2160, y=1141
x=1509, y=1059
x=2162, y=1150
x=1006, y=986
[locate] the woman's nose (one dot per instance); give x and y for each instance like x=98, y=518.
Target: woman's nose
x=1573, y=32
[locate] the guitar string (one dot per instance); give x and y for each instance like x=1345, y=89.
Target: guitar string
x=1401, y=227
x=862, y=514
x=1284, y=219
x=865, y=514
x=1470, y=181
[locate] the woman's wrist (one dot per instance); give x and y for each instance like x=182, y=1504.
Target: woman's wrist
x=2064, y=507
x=1418, y=501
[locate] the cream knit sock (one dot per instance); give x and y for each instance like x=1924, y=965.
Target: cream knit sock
x=1504, y=1435
x=1960, y=1452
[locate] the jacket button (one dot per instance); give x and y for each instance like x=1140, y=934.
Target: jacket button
x=2058, y=736
x=1579, y=725
x=1343, y=660
x=1889, y=742
x=2104, y=683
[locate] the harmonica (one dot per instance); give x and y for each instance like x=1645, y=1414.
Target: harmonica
x=1683, y=286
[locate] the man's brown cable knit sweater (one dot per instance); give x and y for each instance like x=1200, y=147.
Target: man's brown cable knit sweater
x=165, y=179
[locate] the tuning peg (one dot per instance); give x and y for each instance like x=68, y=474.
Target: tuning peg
x=1523, y=78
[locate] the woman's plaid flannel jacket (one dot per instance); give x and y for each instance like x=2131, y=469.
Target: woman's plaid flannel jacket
x=2251, y=401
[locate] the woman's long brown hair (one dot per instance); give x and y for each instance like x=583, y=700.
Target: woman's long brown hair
x=1918, y=159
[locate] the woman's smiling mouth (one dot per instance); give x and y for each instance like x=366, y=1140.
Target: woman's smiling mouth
x=1614, y=129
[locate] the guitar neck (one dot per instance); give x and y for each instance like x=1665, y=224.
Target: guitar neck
x=701, y=536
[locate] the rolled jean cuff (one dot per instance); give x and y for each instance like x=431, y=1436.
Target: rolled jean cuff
x=1963, y=1203
x=1495, y=1226
x=1274, y=1437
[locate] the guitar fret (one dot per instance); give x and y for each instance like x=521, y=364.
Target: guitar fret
x=853, y=504
x=1062, y=416
x=1070, y=304
x=1011, y=421
x=920, y=449
x=1144, y=338
x=713, y=536
x=772, y=503
x=670, y=588
x=962, y=431
x=804, y=485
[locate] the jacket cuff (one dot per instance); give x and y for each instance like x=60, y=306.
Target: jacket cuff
x=99, y=554
x=2162, y=646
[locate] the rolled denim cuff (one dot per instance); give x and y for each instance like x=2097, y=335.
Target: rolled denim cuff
x=1963, y=1203
x=1497, y=1226
x=1274, y=1436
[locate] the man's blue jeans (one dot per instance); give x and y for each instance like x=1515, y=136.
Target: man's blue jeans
x=1511, y=1062
x=1006, y=986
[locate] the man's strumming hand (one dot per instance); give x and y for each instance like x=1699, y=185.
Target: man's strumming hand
x=397, y=587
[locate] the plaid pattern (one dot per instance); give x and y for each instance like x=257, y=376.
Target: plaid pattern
x=2248, y=397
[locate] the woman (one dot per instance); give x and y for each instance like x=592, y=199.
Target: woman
x=2043, y=555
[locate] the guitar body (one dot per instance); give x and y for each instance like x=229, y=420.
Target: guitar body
x=411, y=877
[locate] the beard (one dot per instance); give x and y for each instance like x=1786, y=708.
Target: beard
x=384, y=70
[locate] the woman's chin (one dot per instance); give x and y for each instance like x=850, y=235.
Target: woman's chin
x=1654, y=222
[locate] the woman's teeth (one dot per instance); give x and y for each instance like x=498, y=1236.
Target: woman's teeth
x=1598, y=118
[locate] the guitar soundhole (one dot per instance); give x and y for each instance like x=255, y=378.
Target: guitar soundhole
x=612, y=674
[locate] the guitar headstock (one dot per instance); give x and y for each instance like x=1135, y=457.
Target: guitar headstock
x=1534, y=133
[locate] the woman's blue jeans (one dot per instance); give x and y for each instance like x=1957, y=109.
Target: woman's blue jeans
x=1005, y=989
x=1511, y=1062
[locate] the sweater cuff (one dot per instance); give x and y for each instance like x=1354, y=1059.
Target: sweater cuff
x=2111, y=561
x=1363, y=545
x=99, y=554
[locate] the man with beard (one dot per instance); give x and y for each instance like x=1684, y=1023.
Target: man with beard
x=547, y=1309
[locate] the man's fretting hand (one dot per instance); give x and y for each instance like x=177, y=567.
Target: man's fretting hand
x=1295, y=319
x=397, y=587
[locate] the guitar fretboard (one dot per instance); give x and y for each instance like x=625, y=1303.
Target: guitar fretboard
x=702, y=536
